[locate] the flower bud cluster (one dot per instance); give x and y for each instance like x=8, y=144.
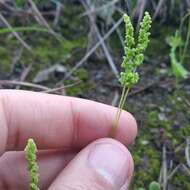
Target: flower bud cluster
x=30, y=152
x=134, y=51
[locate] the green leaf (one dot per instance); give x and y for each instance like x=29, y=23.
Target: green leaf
x=174, y=41
x=177, y=67
x=179, y=70
x=154, y=186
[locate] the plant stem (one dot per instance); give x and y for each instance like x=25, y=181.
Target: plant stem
x=124, y=94
x=186, y=42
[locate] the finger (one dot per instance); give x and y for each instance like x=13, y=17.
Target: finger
x=105, y=164
x=56, y=121
x=14, y=174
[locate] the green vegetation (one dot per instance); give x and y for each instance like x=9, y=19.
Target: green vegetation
x=153, y=186
x=160, y=106
x=83, y=86
x=132, y=59
x=178, y=69
x=33, y=168
x=166, y=124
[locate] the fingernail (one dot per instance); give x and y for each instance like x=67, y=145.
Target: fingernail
x=111, y=162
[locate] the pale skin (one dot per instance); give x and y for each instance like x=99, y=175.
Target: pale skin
x=75, y=152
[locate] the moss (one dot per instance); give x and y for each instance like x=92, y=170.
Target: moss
x=49, y=52
x=5, y=58
x=83, y=87
x=169, y=118
x=147, y=163
x=181, y=181
x=72, y=22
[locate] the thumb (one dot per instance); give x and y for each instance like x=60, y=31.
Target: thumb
x=104, y=164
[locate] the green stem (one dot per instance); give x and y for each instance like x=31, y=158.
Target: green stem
x=23, y=29
x=125, y=92
x=186, y=43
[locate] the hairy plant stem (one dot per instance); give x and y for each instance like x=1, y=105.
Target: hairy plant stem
x=123, y=98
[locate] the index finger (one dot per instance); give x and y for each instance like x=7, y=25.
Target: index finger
x=57, y=121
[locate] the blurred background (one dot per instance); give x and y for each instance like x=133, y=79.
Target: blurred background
x=75, y=48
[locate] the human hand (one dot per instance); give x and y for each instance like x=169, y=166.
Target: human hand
x=67, y=132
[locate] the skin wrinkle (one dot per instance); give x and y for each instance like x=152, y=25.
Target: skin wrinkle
x=75, y=120
x=38, y=113
x=103, y=123
x=4, y=185
x=43, y=114
x=13, y=134
x=107, y=121
x=5, y=115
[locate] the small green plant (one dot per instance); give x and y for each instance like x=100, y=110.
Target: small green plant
x=133, y=57
x=153, y=186
x=30, y=152
x=175, y=42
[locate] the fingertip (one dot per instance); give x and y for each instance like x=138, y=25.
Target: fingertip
x=114, y=159
x=127, y=128
x=105, y=163
x=95, y=120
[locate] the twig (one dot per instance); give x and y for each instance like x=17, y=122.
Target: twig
x=161, y=2
x=15, y=33
x=61, y=87
x=187, y=151
x=186, y=169
x=105, y=49
x=91, y=51
x=27, y=84
x=173, y=172
x=134, y=92
x=107, y=53
x=164, y=162
x=115, y=99
x=142, y=4
x=41, y=19
x=105, y=6
x=119, y=34
x=57, y=13
x=16, y=58
x=188, y=3
x=187, y=102
x=160, y=176
x=25, y=74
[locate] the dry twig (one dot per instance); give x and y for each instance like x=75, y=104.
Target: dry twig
x=20, y=83
x=91, y=51
x=40, y=19
x=187, y=151
x=15, y=33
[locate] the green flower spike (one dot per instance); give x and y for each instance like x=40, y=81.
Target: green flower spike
x=133, y=57
x=30, y=153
